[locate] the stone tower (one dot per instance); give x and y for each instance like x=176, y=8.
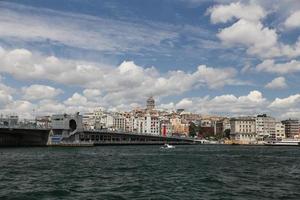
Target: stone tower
x=150, y=103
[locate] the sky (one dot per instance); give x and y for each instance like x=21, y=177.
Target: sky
x=218, y=57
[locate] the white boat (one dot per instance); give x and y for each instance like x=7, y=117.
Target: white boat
x=168, y=146
x=283, y=142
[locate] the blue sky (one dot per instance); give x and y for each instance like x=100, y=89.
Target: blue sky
x=211, y=57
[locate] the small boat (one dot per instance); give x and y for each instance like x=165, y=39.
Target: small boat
x=168, y=146
x=284, y=142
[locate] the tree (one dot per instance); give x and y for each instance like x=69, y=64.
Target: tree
x=227, y=133
x=193, y=129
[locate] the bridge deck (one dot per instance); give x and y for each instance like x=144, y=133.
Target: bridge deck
x=121, y=138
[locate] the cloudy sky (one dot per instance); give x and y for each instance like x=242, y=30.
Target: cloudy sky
x=224, y=57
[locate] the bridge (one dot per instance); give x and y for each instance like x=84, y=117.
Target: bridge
x=68, y=130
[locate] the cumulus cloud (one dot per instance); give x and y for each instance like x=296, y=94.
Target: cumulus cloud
x=92, y=93
x=51, y=106
x=34, y=92
x=252, y=103
x=5, y=98
x=288, y=102
x=185, y=103
x=277, y=83
x=293, y=20
x=250, y=32
x=280, y=68
x=260, y=40
x=225, y=13
x=288, y=107
x=76, y=100
x=291, y=51
x=24, y=109
x=127, y=81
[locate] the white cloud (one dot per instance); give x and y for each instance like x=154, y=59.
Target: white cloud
x=287, y=107
x=167, y=106
x=5, y=98
x=260, y=40
x=277, y=83
x=91, y=93
x=34, y=92
x=252, y=103
x=76, y=100
x=286, y=103
x=5, y=88
x=50, y=106
x=293, y=20
x=225, y=13
x=125, y=83
x=185, y=103
x=291, y=51
x=280, y=68
x=24, y=109
x=250, y=32
x=216, y=78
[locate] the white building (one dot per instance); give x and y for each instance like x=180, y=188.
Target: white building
x=243, y=129
x=280, y=130
x=119, y=123
x=265, y=126
x=151, y=125
x=108, y=121
x=88, y=120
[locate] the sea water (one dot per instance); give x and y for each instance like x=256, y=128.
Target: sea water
x=149, y=172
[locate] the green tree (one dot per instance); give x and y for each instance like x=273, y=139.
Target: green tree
x=227, y=133
x=193, y=129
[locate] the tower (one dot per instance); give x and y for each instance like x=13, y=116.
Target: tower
x=150, y=103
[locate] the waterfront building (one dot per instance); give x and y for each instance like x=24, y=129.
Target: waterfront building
x=9, y=121
x=141, y=125
x=88, y=120
x=119, y=123
x=133, y=124
x=43, y=121
x=265, y=126
x=151, y=124
x=179, y=126
x=226, y=124
x=108, y=121
x=280, y=130
x=94, y=120
x=218, y=127
x=166, y=127
x=291, y=128
x=243, y=130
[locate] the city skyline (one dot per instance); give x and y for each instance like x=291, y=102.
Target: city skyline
x=224, y=58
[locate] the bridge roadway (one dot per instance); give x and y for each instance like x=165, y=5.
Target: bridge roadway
x=125, y=138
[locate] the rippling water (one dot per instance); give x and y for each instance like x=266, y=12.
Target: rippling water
x=147, y=172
